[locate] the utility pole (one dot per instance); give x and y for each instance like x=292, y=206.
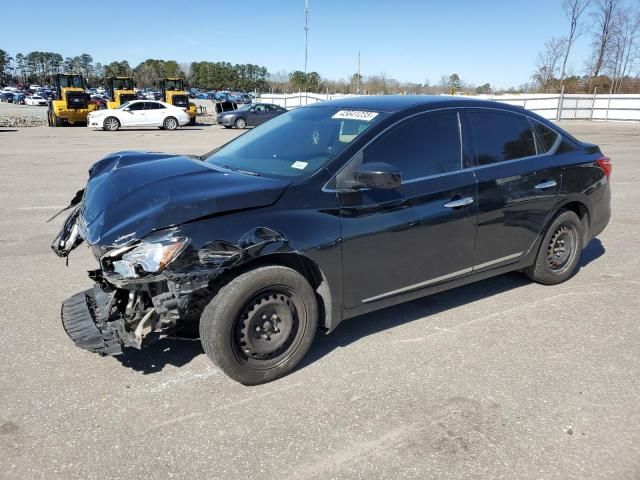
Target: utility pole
x=358, y=77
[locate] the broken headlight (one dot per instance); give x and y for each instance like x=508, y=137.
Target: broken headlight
x=151, y=255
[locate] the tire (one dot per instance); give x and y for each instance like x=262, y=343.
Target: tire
x=560, y=250
x=111, y=124
x=170, y=123
x=260, y=325
x=58, y=122
x=192, y=121
x=240, y=123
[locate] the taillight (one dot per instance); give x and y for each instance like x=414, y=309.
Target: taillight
x=605, y=165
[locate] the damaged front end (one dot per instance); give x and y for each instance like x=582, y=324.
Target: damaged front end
x=132, y=302
x=138, y=215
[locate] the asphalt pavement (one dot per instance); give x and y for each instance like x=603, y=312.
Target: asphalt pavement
x=500, y=379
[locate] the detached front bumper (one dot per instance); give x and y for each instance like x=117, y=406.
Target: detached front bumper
x=86, y=319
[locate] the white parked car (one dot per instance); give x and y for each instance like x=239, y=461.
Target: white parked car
x=139, y=113
x=36, y=100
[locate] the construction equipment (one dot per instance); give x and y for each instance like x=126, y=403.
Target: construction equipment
x=173, y=92
x=120, y=91
x=72, y=104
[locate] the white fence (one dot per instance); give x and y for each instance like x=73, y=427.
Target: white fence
x=551, y=106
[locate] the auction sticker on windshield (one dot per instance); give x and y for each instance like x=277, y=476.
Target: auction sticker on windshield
x=299, y=165
x=355, y=115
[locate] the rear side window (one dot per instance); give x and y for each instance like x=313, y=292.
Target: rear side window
x=546, y=137
x=501, y=136
x=421, y=147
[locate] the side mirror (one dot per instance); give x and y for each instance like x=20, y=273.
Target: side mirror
x=378, y=175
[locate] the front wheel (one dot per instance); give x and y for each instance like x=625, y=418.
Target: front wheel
x=170, y=123
x=560, y=250
x=111, y=124
x=240, y=123
x=260, y=325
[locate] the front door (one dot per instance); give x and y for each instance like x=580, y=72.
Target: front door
x=420, y=234
x=135, y=115
x=518, y=184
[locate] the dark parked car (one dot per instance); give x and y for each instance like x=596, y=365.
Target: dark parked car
x=7, y=97
x=250, y=115
x=327, y=212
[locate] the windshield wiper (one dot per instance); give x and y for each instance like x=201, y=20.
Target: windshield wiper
x=240, y=170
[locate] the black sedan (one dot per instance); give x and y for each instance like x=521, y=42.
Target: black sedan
x=250, y=115
x=325, y=213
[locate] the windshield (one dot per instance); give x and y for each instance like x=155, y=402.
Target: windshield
x=296, y=143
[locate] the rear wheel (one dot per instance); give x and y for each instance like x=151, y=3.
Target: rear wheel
x=240, y=123
x=170, y=123
x=111, y=124
x=260, y=325
x=560, y=250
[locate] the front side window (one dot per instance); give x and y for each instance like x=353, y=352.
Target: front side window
x=501, y=136
x=136, y=106
x=420, y=147
x=295, y=143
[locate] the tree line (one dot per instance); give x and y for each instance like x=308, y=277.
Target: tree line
x=41, y=67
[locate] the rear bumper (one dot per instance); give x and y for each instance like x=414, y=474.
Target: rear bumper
x=600, y=211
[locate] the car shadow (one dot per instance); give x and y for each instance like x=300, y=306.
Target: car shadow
x=179, y=352
x=167, y=351
x=359, y=327
x=591, y=252
x=8, y=130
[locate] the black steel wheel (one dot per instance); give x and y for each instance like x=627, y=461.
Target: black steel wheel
x=560, y=250
x=260, y=325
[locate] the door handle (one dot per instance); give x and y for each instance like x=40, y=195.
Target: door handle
x=546, y=184
x=460, y=202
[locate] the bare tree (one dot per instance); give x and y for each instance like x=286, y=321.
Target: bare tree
x=574, y=10
x=622, y=53
x=549, y=62
x=605, y=14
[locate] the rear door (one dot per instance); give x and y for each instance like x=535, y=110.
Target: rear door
x=154, y=113
x=518, y=184
x=420, y=234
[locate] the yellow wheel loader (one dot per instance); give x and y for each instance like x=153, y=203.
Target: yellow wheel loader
x=72, y=104
x=173, y=93
x=120, y=91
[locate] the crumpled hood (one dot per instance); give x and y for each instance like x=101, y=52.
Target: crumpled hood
x=130, y=194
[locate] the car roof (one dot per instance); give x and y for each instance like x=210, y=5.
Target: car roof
x=396, y=103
